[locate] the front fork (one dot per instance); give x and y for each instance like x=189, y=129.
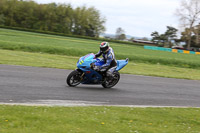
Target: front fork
x=82, y=76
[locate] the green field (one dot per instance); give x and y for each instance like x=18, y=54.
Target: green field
x=35, y=42
x=23, y=119
x=63, y=52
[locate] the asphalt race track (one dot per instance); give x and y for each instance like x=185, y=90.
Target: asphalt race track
x=47, y=86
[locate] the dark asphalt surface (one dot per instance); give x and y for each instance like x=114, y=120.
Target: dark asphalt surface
x=20, y=84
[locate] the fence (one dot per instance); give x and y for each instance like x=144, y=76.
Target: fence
x=171, y=50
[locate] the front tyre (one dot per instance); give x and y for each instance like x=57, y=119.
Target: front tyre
x=74, y=78
x=112, y=82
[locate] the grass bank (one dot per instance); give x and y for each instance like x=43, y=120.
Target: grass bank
x=23, y=119
x=69, y=62
x=35, y=42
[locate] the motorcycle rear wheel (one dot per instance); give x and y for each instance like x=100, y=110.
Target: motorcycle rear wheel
x=74, y=78
x=114, y=81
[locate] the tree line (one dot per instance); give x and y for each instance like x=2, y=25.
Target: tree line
x=62, y=18
x=188, y=14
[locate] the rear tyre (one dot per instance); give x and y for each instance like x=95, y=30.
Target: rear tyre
x=112, y=82
x=74, y=78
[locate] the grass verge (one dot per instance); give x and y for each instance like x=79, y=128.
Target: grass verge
x=23, y=119
x=69, y=62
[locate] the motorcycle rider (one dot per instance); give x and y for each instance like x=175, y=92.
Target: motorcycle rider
x=109, y=58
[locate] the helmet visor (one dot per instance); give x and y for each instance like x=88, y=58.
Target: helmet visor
x=104, y=49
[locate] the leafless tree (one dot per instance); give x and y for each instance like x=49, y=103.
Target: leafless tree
x=189, y=16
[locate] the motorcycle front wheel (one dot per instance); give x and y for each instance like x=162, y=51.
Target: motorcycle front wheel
x=74, y=78
x=113, y=81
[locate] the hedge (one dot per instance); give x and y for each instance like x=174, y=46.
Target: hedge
x=70, y=35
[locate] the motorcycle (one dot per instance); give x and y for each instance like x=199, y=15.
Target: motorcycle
x=86, y=72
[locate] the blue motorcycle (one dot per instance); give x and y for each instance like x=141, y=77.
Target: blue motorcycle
x=87, y=74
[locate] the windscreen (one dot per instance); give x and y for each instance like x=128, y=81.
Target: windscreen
x=89, y=57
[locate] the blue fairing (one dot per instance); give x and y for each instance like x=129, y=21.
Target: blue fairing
x=91, y=76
